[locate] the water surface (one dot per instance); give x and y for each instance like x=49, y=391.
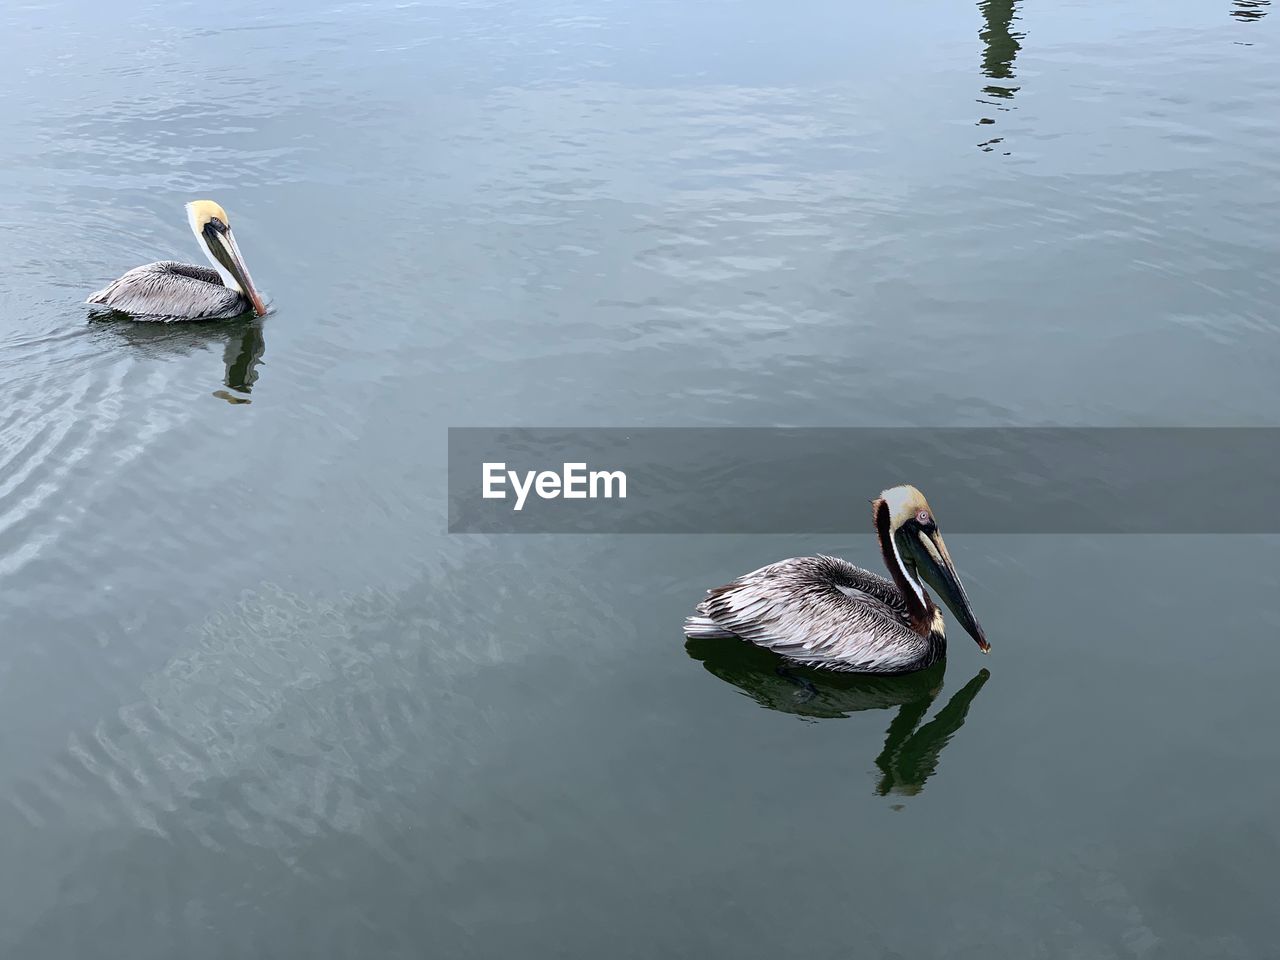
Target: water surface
x=256, y=702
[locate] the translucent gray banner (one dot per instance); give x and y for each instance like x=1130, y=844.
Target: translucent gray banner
x=766, y=480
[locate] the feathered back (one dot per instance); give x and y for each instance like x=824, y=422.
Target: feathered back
x=168, y=290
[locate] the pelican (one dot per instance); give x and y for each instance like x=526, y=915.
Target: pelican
x=168, y=290
x=826, y=613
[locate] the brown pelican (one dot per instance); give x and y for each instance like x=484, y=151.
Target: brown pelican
x=168, y=290
x=826, y=613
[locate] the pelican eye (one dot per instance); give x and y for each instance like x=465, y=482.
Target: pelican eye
x=923, y=518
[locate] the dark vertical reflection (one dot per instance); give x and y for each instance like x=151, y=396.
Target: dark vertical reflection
x=910, y=755
x=911, y=750
x=1250, y=9
x=1000, y=49
x=241, y=358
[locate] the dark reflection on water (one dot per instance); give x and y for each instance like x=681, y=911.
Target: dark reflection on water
x=911, y=751
x=241, y=358
x=1000, y=49
x=1250, y=9
x=244, y=341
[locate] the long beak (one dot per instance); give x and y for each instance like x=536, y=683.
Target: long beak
x=241, y=273
x=935, y=566
x=228, y=254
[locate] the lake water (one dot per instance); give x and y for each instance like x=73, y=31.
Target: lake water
x=255, y=702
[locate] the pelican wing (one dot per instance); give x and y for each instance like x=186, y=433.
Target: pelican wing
x=171, y=290
x=822, y=612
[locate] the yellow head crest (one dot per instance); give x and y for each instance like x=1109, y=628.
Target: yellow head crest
x=200, y=212
x=904, y=502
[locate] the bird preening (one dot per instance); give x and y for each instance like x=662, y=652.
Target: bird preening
x=168, y=290
x=826, y=613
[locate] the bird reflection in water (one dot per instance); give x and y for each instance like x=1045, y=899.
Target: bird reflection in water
x=1001, y=48
x=241, y=356
x=1250, y=9
x=911, y=750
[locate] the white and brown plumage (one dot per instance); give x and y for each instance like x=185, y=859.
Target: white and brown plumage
x=168, y=290
x=826, y=613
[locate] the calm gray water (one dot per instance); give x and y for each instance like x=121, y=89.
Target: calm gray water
x=255, y=702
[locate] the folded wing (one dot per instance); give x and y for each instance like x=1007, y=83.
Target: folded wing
x=172, y=291
x=822, y=612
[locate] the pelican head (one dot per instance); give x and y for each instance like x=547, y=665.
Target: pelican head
x=213, y=231
x=904, y=519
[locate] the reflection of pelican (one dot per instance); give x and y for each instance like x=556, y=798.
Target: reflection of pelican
x=910, y=756
x=1250, y=9
x=168, y=290
x=1000, y=44
x=1000, y=49
x=241, y=359
x=241, y=356
x=827, y=613
x=911, y=752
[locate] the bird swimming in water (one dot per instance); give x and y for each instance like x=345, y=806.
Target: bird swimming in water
x=826, y=613
x=168, y=290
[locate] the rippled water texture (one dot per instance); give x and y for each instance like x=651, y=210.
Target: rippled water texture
x=255, y=702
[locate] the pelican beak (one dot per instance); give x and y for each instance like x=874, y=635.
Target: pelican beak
x=934, y=564
x=222, y=243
